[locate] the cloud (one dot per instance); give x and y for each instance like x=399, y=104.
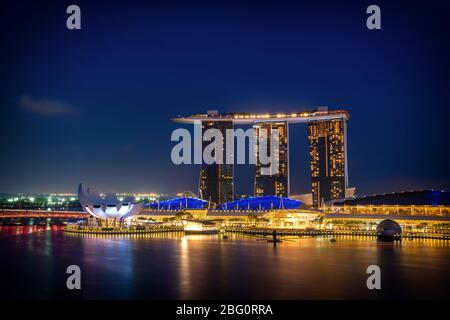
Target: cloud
x=46, y=107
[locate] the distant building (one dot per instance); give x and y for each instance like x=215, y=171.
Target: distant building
x=278, y=183
x=216, y=180
x=327, y=150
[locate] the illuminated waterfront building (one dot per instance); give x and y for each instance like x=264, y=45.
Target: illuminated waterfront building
x=216, y=180
x=327, y=151
x=415, y=211
x=276, y=183
x=423, y=211
x=408, y=203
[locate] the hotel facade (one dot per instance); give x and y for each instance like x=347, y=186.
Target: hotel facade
x=216, y=180
x=276, y=184
x=327, y=152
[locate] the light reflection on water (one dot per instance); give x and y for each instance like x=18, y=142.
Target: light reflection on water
x=174, y=266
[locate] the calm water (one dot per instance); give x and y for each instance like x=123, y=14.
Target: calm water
x=34, y=260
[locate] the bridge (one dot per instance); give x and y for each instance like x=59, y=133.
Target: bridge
x=214, y=214
x=17, y=213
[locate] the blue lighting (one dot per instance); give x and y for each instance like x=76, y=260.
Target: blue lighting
x=261, y=203
x=178, y=204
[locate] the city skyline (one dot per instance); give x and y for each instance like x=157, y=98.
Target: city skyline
x=104, y=109
x=225, y=158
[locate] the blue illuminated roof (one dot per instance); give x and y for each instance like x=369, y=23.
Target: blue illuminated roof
x=261, y=203
x=178, y=204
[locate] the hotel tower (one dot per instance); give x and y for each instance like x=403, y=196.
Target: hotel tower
x=278, y=182
x=216, y=180
x=327, y=135
x=327, y=152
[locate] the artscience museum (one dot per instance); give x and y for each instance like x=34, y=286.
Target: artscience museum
x=108, y=207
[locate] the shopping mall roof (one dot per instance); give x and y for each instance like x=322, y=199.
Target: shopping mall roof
x=407, y=198
x=261, y=203
x=179, y=204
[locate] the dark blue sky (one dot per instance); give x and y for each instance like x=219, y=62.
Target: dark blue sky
x=95, y=105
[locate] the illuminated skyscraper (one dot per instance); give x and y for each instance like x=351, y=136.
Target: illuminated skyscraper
x=216, y=180
x=272, y=184
x=327, y=150
x=327, y=139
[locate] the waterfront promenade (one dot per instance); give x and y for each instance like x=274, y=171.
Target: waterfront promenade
x=122, y=230
x=264, y=232
x=258, y=232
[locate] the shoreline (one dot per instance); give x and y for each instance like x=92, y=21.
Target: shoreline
x=248, y=231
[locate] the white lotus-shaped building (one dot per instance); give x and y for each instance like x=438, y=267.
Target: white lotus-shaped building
x=108, y=207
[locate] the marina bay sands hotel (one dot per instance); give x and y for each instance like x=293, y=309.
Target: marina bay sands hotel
x=327, y=135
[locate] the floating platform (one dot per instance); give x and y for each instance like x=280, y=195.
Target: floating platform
x=329, y=233
x=389, y=238
x=119, y=230
x=188, y=232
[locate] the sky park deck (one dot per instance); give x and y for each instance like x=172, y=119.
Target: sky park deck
x=322, y=114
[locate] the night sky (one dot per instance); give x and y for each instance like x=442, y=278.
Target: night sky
x=94, y=105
